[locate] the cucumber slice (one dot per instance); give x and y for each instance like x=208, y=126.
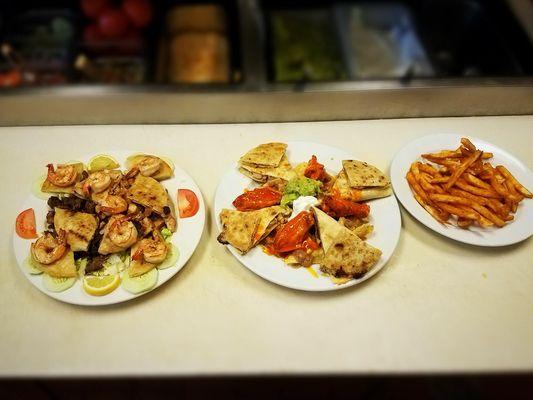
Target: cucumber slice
x=172, y=258
x=36, y=188
x=57, y=284
x=28, y=264
x=139, y=284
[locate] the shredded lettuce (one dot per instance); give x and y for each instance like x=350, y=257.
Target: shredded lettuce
x=166, y=233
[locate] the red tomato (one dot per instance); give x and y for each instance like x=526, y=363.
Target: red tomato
x=25, y=224
x=93, y=8
x=187, y=203
x=113, y=23
x=257, y=199
x=92, y=33
x=138, y=11
x=293, y=234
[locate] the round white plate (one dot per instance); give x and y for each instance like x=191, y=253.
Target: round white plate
x=515, y=231
x=186, y=239
x=384, y=215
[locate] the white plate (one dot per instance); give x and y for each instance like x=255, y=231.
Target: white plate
x=384, y=215
x=186, y=239
x=515, y=231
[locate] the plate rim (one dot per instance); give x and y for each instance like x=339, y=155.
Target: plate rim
x=202, y=212
x=354, y=282
x=434, y=225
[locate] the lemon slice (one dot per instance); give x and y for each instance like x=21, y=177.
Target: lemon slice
x=57, y=284
x=100, y=285
x=101, y=162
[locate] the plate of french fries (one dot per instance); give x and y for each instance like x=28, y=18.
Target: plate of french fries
x=466, y=189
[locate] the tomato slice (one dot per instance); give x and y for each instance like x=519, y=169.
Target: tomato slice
x=187, y=203
x=25, y=224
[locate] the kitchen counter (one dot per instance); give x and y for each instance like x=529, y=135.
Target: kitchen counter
x=437, y=306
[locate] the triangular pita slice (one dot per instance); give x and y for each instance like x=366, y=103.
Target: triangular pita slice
x=328, y=228
x=165, y=171
x=49, y=187
x=244, y=229
x=138, y=267
x=62, y=268
x=80, y=227
x=148, y=192
x=261, y=174
x=342, y=187
x=264, y=155
x=362, y=175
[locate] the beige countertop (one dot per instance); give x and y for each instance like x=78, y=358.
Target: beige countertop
x=437, y=306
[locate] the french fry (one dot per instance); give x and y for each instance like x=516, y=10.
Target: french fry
x=461, y=193
x=415, y=187
x=443, y=179
x=496, y=184
x=486, y=156
x=459, y=171
x=446, y=198
x=434, y=212
x=444, y=154
x=468, y=144
x=505, y=172
x=461, y=184
x=476, y=181
x=428, y=169
x=511, y=188
x=489, y=215
x=484, y=222
x=464, y=223
x=460, y=212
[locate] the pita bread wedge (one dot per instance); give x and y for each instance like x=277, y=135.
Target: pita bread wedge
x=262, y=174
x=264, y=155
x=80, y=227
x=165, y=171
x=345, y=191
x=62, y=268
x=243, y=230
x=363, y=175
x=49, y=187
x=140, y=266
x=349, y=256
x=345, y=254
x=148, y=192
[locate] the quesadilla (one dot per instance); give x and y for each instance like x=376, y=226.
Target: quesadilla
x=49, y=187
x=361, y=174
x=345, y=191
x=262, y=174
x=62, y=268
x=345, y=254
x=80, y=227
x=165, y=171
x=148, y=192
x=245, y=229
x=264, y=155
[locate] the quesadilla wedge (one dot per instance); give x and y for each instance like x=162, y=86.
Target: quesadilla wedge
x=345, y=191
x=80, y=227
x=245, y=229
x=148, y=192
x=49, y=187
x=362, y=175
x=62, y=268
x=263, y=174
x=264, y=155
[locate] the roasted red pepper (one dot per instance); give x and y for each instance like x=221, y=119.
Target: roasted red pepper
x=294, y=234
x=257, y=199
x=337, y=207
x=315, y=170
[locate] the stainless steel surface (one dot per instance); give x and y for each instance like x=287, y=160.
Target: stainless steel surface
x=276, y=103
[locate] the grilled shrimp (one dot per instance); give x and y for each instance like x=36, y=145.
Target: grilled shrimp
x=97, y=182
x=48, y=249
x=64, y=176
x=113, y=205
x=153, y=250
x=148, y=165
x=121, y=232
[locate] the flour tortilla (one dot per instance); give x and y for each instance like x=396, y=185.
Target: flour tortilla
x=262, y=174
x=363, y=175
x=165, y=171
x=49, y=187
x=62, y=268
x=343, y=188
x=264, y=155
x=80, y=227
x=245, y=229
x=148, y=192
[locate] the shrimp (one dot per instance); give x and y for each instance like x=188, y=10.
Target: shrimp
x=121, y=232
x=48, y=249
x=97, y=182
x=113, y=205
x=65, y=175
x=152, y=250
x=148, y=165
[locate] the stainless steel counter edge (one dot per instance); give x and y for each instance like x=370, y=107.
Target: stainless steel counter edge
x=278, y=103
